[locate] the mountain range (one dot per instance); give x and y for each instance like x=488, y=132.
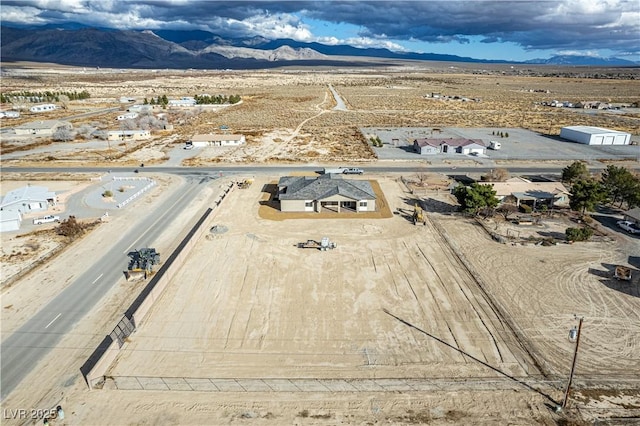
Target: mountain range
x=76, y=44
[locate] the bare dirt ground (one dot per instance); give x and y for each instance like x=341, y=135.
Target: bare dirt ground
x=400, y=324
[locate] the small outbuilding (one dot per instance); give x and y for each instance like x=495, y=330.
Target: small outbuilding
x=327, y=192
x=10, y=220
x=595, y=135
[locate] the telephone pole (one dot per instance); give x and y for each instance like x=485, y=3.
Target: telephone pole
x=573, y=365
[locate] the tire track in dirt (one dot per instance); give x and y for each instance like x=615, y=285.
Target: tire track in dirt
x=446, y=249
x=437, y=303
x=500, y=315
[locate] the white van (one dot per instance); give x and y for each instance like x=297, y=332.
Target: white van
x=495, y=145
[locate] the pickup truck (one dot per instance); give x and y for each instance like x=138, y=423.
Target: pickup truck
x=46, y=219
x=343, y=170
x=628, y=226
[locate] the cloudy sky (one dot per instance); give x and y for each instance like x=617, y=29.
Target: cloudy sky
x=511, y=30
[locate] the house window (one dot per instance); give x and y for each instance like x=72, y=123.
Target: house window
x=363, y=204
x=308, y=203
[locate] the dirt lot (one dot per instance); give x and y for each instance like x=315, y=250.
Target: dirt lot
x=400, y=324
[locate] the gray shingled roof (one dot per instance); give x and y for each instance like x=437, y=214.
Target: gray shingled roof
x=324, y=186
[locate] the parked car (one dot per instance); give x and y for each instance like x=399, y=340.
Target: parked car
x=628, y=226
x=46, y=219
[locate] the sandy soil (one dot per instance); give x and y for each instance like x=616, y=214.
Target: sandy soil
x=400, y=324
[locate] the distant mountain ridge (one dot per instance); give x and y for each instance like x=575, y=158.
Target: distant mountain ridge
x=77, y=44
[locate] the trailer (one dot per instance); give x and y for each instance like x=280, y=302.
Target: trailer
x=322, y=245
x=342, y=171
x=622, y=273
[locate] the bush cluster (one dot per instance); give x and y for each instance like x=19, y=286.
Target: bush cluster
x=578, y=234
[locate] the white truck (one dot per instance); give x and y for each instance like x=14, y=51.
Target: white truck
x=46, y=219
x=495, y=145
x=343, y=170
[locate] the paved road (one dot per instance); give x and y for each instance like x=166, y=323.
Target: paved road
x=22, y=350
x=279, y=170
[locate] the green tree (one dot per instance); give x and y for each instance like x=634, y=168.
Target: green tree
x=475, y=197
x=574, y=172
x=620, y=185
x=585, y=195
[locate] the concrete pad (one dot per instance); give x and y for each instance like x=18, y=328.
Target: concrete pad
x=204, y=385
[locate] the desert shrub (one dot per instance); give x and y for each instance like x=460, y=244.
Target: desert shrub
x=107, y=194
x=578, y=234
x=70, y=227
x=121, y=189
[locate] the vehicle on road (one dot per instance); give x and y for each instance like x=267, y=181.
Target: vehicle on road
x=46, y=219
x=495, y=145
x=628, y=226
x=343, y=170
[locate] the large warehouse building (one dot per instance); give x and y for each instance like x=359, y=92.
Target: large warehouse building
x=595, y=135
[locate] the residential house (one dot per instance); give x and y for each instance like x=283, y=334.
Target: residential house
x=43, y=108
x=127, y=116
x=326, y=192
x=128, y=135
x=28, y=199
x=534, y=194
x=432, y=146
x=42, y=128
x=9, y=114
x=211, y=139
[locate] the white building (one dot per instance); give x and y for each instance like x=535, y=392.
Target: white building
x=211, y=139
x=10, y=220
x=28, y=199
x=128, y=135
x=127, y=116
x=41, y=128
x=9, y=114
x=182, y=102
x=595, y=135
x=43, y=108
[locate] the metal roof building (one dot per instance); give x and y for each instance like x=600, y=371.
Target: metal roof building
x=594, y=135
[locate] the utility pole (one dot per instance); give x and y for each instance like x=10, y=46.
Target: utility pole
x=573, y=365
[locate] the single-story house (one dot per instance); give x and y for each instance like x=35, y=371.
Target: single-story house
x=28, y=199
x=41, y=128
x=128, y=135
x=9, y=114
x=140, y=108
x=10, y=220
x=330, y=192
x=186, y=101
x=449, y=146
x=633, y=215
x=43, y=108
x=127, y=116
x=211, y=139
x=523, y=191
